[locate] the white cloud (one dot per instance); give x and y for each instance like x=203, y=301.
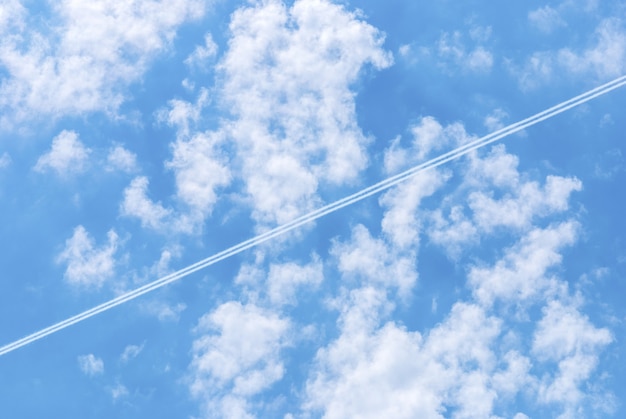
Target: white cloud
x=604, y=58
x=130, y=352
x=530, y=200
x=67, y=155
x=480, y=60
x=87, y=264
x=566, y=336
x=286, y=82
x=453, y=53
x=200, y=166
x=463, y=366
x=497, y=168
x=609, y=164
x=546, y=19
x=472, y=363
x=453, y=230
x=199, y=57
x=91, y=365
x=163, y=311
x=564, y=331
x=121, y=159
x=283, y=280
x=401, y=222
x=521, y=274
x=287, y=78
x=497, y=198
x=137, y=204
x=182, y=114
x=200, y=169
x=55, y=70
x=237, y=356
x=607, y=58
x=372, y=261
x=392, y=372
x=118, y=392
x=5, y=160
x=428, y=136
x=495, y=120
x=162, y=266
x=11, y=15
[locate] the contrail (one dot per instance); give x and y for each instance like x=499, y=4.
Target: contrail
x=320, y=212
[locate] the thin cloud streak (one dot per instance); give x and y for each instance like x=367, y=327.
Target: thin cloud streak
x=349, y=200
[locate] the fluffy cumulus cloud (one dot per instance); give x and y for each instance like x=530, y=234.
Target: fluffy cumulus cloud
x=286, y=83
x=472, y=363
x=91, y=365
x=375, y=261
x=200, y=170
x=500, y=199
x=88, y=265
x=565, y=336
x=392, y=372
x=464, y=291
x=137, y=204
x=67, y=155
x=57, y=70
x=283, y=280
x=237, y=357
x=521, y=273
x=287, y=79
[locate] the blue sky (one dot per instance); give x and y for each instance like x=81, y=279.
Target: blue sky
x=138, y=137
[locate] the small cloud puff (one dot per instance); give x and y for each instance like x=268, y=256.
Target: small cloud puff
x=118, y=392
x=91, y=365
x=87, y=264
x=163, y=311
x=137, y=204
x=121, y=159
x=66, y=156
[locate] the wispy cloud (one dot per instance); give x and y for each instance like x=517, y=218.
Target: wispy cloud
x=5, y=160
x=602, y=58
x=131, y=352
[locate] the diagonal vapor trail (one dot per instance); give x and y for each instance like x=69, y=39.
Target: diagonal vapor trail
x=320, y=212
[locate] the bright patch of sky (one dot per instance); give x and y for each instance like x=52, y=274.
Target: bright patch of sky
x=138, y=137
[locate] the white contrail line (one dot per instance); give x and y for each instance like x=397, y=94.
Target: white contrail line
x=320, y=212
